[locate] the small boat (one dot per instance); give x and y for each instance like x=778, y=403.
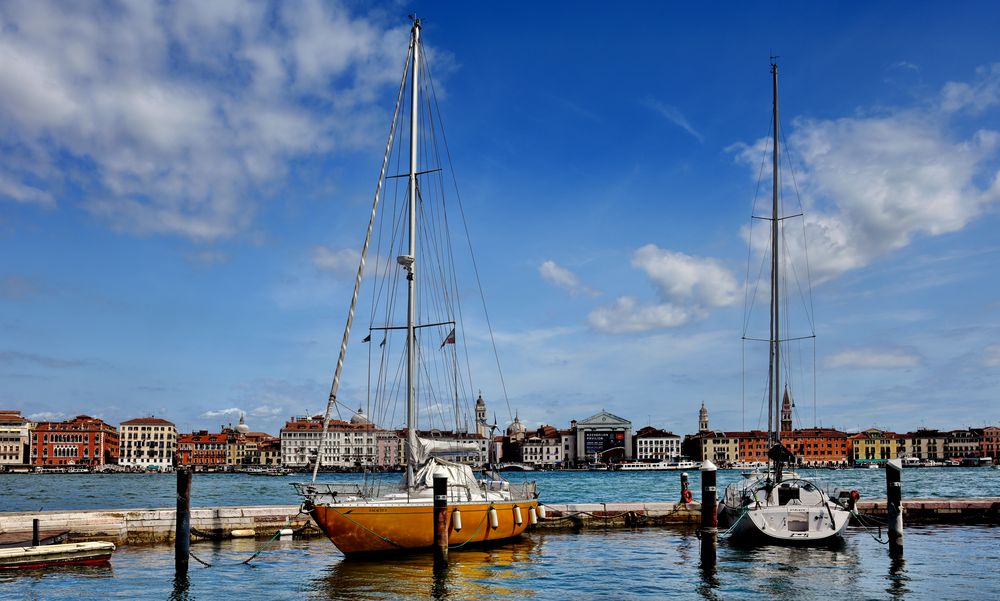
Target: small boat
x=47, y=556
x=774, y=506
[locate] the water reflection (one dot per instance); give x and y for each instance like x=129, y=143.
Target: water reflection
x=898, y=578
x=707, y=568
x=470, y=573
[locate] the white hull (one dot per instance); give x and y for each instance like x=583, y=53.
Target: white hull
x=793, y=512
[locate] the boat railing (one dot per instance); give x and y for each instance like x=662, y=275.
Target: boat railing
x=324, y=492
x=523, y=491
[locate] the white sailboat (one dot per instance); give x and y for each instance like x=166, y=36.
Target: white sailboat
x=770, y=506
x=367, y=518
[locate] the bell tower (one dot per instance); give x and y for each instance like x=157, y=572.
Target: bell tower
x=786, y=412
x=703, y=418
x=481, y=427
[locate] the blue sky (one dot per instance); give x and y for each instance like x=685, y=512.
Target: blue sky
x=181, y=184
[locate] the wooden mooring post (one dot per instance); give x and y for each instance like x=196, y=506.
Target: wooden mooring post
x=182, y=533
x=35, y=539
x=440, y=519
x=894, y=505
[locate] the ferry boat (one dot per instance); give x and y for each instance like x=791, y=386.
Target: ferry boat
x=659, y=466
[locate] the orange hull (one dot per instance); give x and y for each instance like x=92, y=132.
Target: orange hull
x=357, y=529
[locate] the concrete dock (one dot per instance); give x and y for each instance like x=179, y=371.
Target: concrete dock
x=148, y=526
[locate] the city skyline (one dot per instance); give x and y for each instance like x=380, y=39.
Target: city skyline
x=185, y=188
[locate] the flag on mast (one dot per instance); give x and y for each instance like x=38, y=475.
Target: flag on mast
x=449, y=339
x=367, y=338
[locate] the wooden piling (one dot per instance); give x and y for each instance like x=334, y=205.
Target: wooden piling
x=35, y=539
x=894, y=505
x=709, y=516
x=685, y=495
x=182, y=534
x=440, y=519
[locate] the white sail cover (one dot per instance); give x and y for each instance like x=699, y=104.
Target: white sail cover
x=458, y=475
x=427, y=448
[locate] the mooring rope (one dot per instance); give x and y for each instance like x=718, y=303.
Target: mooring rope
x=861, y=520
x=486, y=515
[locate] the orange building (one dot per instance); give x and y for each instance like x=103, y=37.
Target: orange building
x=83, y=440
x=814, y=446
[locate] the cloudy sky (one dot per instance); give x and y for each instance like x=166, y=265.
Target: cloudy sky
x=184, y=188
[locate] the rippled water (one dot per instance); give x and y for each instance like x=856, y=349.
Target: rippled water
x=652, y=563
x=30, y=492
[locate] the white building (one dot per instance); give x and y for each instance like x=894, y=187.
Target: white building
x=13, y=438
x=544, y=448
x=652, y=444
x=348, y=444
x=604, y=436
x=147, y=442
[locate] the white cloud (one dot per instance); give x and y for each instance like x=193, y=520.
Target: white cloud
x=674, y=115
x=342, y=263
x=873, y=358
x=266, y=411
x=976, y=96
x=179, y=113
x=870, y=184
x=689, y=287
x=561, y=277
x=47, y=416
x=236, y=411
x=991, y=356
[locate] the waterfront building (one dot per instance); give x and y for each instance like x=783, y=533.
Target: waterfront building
x=722, y=448
x=148, y=443
x=604, y=436
x=753, y=445
x=652, y=444
x=81, y=441
x=348, y=443
x=817, y=446
x=269, y=451
x=202, y=450
x=544, y=448
x=925, y=444
x=13, y=438
x=568, y=441
x=991, y=443
x=388, y=449
x=964, y=443
x=875, y=446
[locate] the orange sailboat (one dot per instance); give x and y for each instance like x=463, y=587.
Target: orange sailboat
x=371, y=517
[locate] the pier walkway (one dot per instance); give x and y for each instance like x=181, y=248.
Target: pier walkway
x=147, y=526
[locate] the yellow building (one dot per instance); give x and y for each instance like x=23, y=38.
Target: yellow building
x=875, y=446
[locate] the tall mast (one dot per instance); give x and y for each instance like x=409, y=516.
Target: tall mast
x=409, y=264
x=775, y=380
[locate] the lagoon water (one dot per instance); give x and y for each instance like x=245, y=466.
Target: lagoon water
x=646, y=563
x=35, y=492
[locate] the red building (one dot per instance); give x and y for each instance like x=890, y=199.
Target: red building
x=202, y=450
x=83, y=440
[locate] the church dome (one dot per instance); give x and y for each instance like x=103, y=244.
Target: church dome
x=516, y=428
x=360, y=418
x=242, y=427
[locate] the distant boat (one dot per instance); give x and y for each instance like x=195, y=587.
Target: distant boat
x=659, y=466
x=47, y=556
x=770, y=506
